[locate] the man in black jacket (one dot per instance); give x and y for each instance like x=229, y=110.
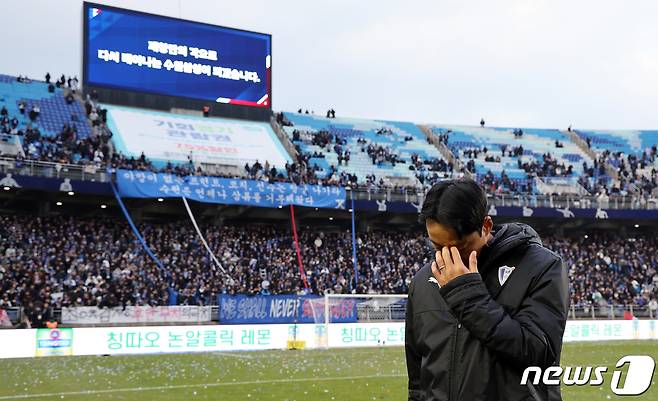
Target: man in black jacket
x=492, y=303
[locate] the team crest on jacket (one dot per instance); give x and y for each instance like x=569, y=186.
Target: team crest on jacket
x=504, y=272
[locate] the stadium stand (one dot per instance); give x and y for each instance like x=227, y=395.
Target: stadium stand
x=509, y=160
x=50, y=123
x=633, y=154
x=51, y=262
x=625, y=141
x=66, y=261
x=371, y=152
x=55, y=111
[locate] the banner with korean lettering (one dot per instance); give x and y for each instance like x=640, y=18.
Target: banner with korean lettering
x=365, y=334
x=22, y=343
x=244, y=309
x=142, y=184
x=136, y=314
x=598, y=330
x=166, y=137
x=141, y=52
x=172, y=339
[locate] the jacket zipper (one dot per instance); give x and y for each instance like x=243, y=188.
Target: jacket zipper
x=452, y=387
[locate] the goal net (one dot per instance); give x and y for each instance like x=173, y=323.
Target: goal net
x=361, y=320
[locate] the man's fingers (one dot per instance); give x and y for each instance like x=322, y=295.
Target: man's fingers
x=447, y=259
x=473, y=262
x=434, y=270
x=440, y=263
x=456, y=257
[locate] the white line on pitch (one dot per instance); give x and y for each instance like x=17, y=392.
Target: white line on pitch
x=234, y=355
x=137, y=389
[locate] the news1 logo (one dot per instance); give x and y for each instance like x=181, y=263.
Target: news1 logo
x=638, y=376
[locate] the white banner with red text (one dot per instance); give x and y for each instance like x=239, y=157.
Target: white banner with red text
x=135, y=314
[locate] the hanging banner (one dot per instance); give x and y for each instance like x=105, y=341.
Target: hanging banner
x=136, y=314
x=165, y=137
x=244, y=309
x=141, y=184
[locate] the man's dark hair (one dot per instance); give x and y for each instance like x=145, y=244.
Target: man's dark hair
x=458, y=204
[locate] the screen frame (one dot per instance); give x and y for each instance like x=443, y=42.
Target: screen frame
x=85, y=54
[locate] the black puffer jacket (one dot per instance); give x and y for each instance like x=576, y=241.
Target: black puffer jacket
x=471, y=339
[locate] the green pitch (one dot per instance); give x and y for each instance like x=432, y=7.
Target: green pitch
x=346, y=374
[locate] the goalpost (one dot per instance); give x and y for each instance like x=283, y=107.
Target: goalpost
x=364, y=319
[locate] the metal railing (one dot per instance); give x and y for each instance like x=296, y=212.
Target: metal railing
x=396, y=312
x=606, y=312
x=611, y=312
x=92, y=172
x=89, y=172
x=390, y=194
x=574, y=201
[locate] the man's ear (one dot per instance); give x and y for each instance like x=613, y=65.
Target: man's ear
x=487, y=226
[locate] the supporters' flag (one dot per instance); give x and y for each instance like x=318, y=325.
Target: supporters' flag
x=354, y=261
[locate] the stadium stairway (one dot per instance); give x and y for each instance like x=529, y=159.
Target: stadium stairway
x=582, y=145
x=443, y=149
x=285, y=139
x=79, y=98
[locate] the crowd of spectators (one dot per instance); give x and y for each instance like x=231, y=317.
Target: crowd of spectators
x=502, y=184
x=66, y=146
x=610, y=268
x=636, y=174
x=549, y=166
x=427, y=171
x=380, y=154
x=50, y=262
x=66, y=261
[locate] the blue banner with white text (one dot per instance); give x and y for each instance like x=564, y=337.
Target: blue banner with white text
x=246, y=309
x=142, y=184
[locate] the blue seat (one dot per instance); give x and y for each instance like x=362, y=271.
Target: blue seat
x=352, y=129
